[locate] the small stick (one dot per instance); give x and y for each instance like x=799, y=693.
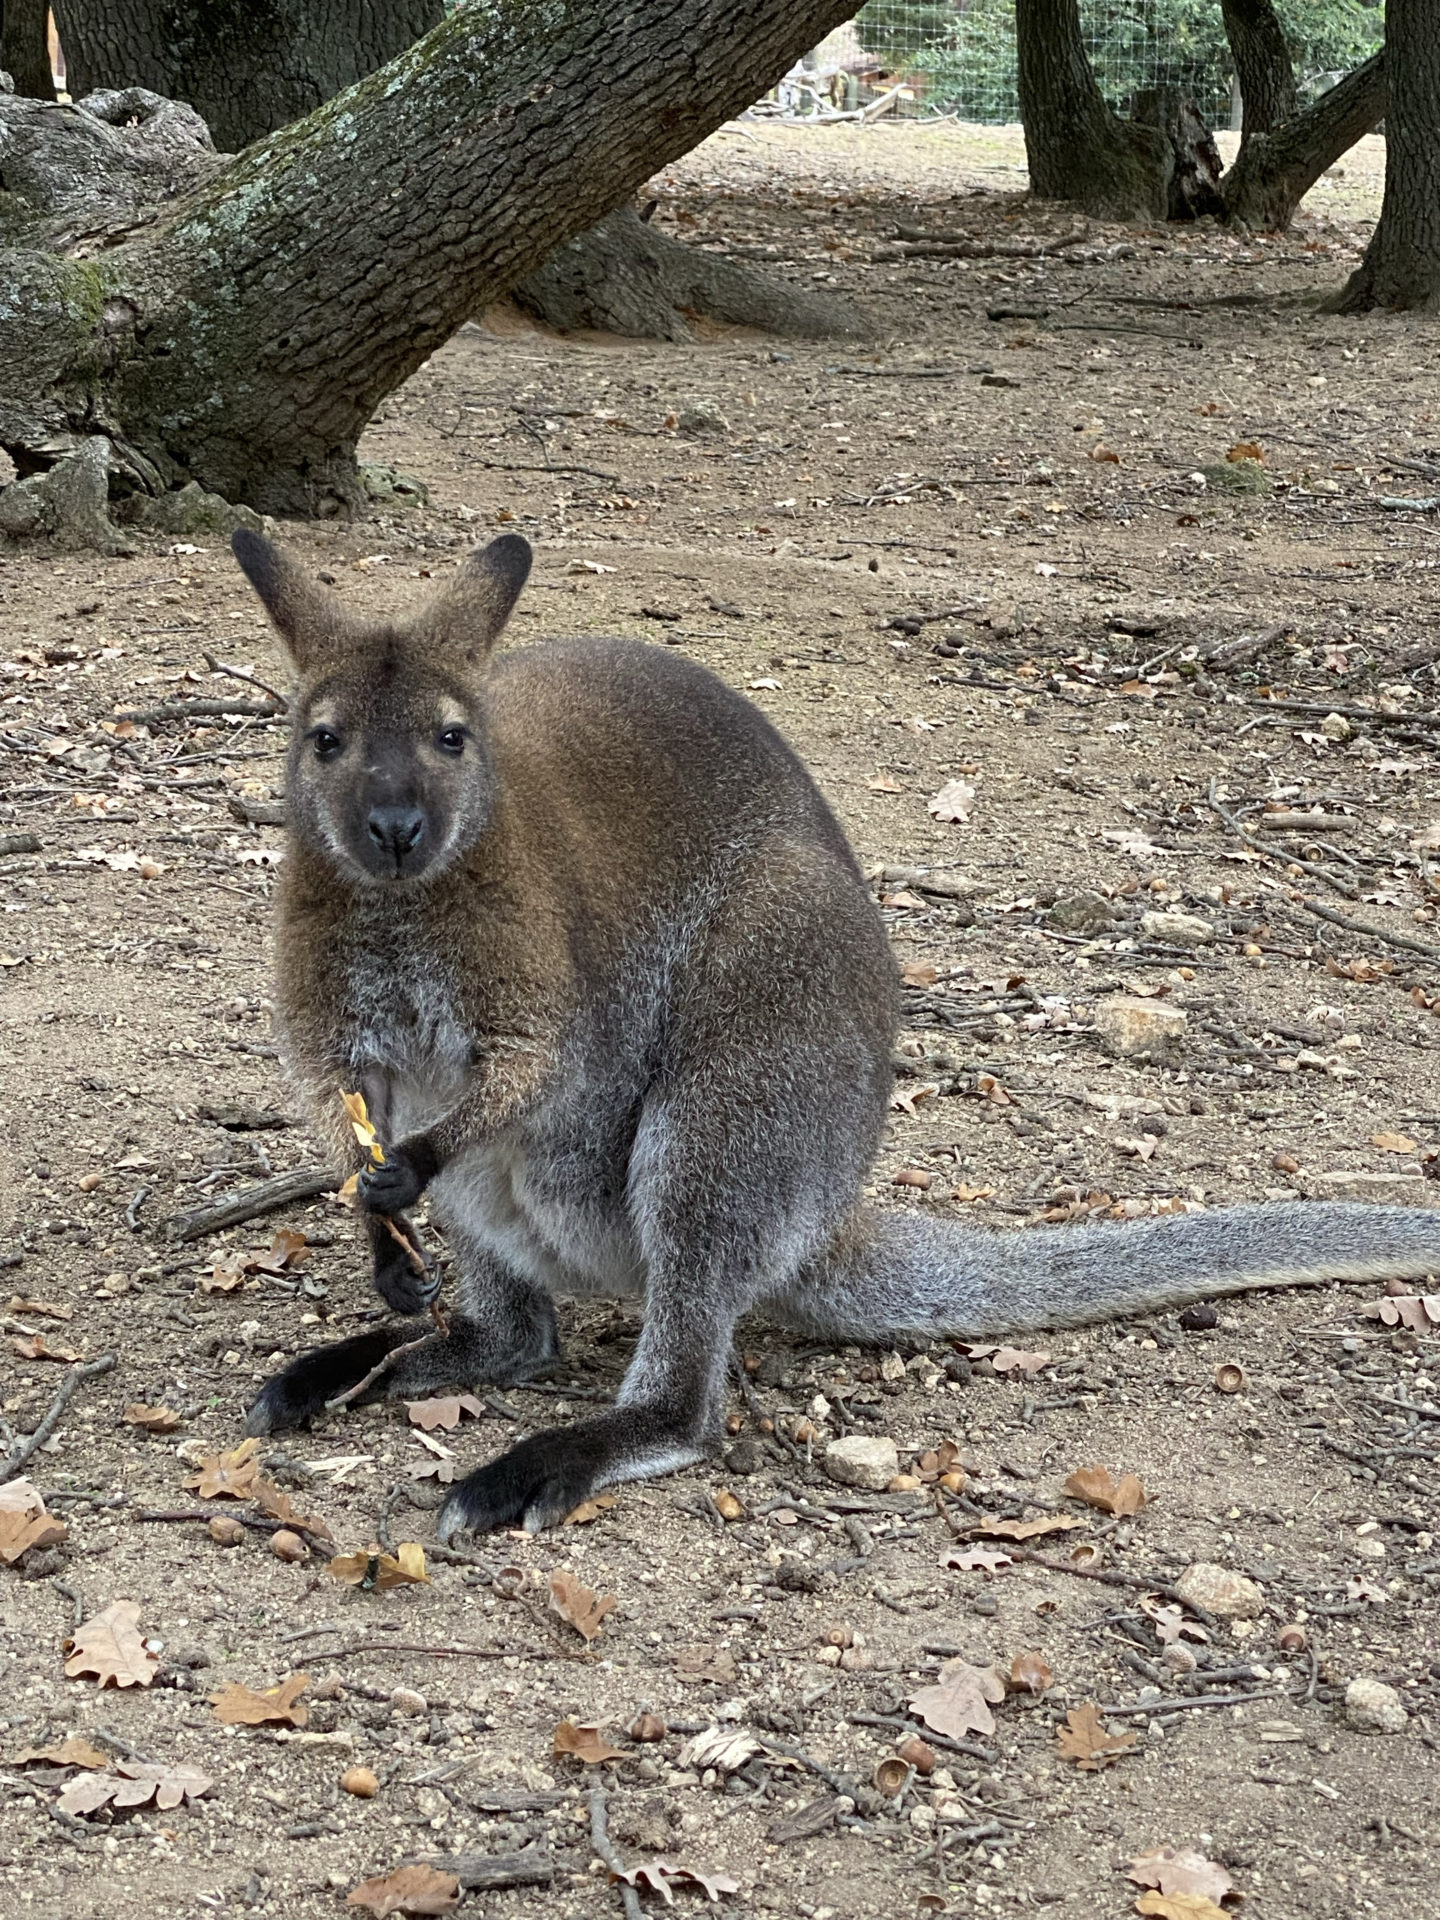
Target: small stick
x=1372, y=933
x=286, y=1188
x=606, y=1849
x=1172, y=1705
x=203, y=710
x=246, y=678
x=422, y=1267
x=25, y=1449
x=319, y=1542
x=381, y=1366
x=1283, y=854
x=967, y=1747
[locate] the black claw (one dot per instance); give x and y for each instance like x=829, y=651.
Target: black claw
x=534, y=1485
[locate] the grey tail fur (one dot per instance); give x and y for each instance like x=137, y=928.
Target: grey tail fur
x=903, y=1273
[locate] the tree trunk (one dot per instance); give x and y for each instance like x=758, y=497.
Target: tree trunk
x=1193, y=186
x=245, y=336
x=1262, y=61
x=247, y=67
x=1079, y=150
x=24, y=51
x=623, y=277
x=1401, y=268
x=1274, y=171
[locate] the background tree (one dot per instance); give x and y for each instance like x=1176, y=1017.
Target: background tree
x=1077, y=147
x=243, y=335
x=24, y=52
x=247, y=67
x=1401, y=267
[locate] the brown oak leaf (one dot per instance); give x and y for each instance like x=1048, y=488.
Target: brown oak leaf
x=24, y=1523
x=152, y=1419
x=77, y=1751
x=579, y=1606
x=1084, y=1740
x=1179, y=1906
x=34, y=1347
x=1030, y=1674
x=110, y=1648
x=978, y=1560
x=446, y=1411
x=239, y=1706
x=288, y=1250
x=50, y=1308
x=229, y=1476
x=1096, y=1487
x=1007, y=1359
x=1027, y=1529
x=960, y=1703
x=1180, y=1870
x=373, y=1568
x=1418, y=1311
x=662, y=1875
x=407, y=1890
x=133, y=1785
x=277, y=1505
x=586, y=1744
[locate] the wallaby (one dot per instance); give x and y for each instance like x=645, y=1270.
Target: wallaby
x=581, y=928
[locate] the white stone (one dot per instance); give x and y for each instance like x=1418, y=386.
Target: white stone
x=1230, y=1596
x=1372, y=1707
x=1128, y=1025
x=1391, y=1189
x=1180, y=929
x=862, y=1460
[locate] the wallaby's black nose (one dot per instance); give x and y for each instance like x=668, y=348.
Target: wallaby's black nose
x=397, y=831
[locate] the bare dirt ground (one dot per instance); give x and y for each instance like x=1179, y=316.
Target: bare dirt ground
x=1008, y=552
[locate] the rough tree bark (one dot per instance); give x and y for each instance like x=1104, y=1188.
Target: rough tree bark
x=24, y=52
x=1078, y=149
x=247, y=67
x=1275, y=170
x=1401, y=268
x=1262, y=64
x=243, y=335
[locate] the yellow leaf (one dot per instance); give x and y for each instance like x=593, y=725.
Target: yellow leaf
x=363, y=1129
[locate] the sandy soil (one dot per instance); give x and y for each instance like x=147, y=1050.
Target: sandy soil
x=1002, y=551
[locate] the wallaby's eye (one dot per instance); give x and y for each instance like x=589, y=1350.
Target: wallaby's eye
x=451, y=740
x=326, y=742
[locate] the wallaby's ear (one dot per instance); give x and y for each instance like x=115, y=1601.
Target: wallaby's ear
x=306, y=616
x=470, y=610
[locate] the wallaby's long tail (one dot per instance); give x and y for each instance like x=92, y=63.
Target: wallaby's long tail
x=898, y=1273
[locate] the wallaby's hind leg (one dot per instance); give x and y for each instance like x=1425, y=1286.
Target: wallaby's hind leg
x=504, y=1333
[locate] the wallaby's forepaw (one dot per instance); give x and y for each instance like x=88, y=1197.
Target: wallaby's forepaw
x=533, y=1486
x=298, y=1393
x=398, y=1281
x=399, y=1180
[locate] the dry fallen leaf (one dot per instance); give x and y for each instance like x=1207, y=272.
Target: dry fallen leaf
x=1394, y=1142
x=1027, y=1529
x=74, y=1752
x=939, y=1461
x=919, y=973
x=586, y=1744
x=24, y=1523
x=954, y=803
x=408, y=1889
x=1180, y=1870
x=152, y=1419
x=1419, y=1311
x=1096, y=1488
x=133, y=1784
x=577, y=1605
x=228, y=1476
x=277, y=1505
x=1030, y=1674
x=373, y=1568
x=1084, y=1740
x=445, y=1411
x=35, y=1347
x=961, y=1701
x=978, y=1560
x=109, y=1648
x=661, y=1875
x=1006, y=1359
x=239, y=1706
x=589, y=1510
x=49, y=1308
x=1179, y=1906
x=288, y=1250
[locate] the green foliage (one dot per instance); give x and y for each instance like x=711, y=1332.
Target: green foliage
x=968, y=53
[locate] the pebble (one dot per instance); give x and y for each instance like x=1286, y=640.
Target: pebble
x=361, y=1782
x=1128, y=1025
x=1372, y=1707
x=406, y=1700
x=746, y=1456
x=1231, y=1596
x=1180, y=929
x=862, y=1460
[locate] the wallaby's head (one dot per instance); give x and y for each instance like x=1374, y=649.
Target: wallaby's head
x=390, y=773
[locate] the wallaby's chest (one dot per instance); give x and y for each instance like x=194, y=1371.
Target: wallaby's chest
x=401, y=1029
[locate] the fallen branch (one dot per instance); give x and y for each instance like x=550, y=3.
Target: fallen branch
x=305, y=1183
x=318, y=1541
x=488, y=1872
x=1371, y=933
x=204, y=710
x=246, y=679
x=382, y=1366
x=1284, y=854
x=1172, y=1705
x=606, y=1849
x=26, y=1448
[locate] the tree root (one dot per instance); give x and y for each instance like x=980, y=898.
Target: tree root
x=624, y=277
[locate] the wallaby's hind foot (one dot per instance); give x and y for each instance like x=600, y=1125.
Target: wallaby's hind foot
x=537, y=1483
x=468, y=1356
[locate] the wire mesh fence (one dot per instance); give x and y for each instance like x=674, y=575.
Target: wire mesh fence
x=957, y=57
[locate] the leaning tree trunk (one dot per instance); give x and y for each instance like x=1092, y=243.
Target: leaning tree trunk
x=1275, y=170
x=246, y=68
x=1401, y=267
x=1262, y=64
x=244, y=337
x=24, y=49
x=1078, y=149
